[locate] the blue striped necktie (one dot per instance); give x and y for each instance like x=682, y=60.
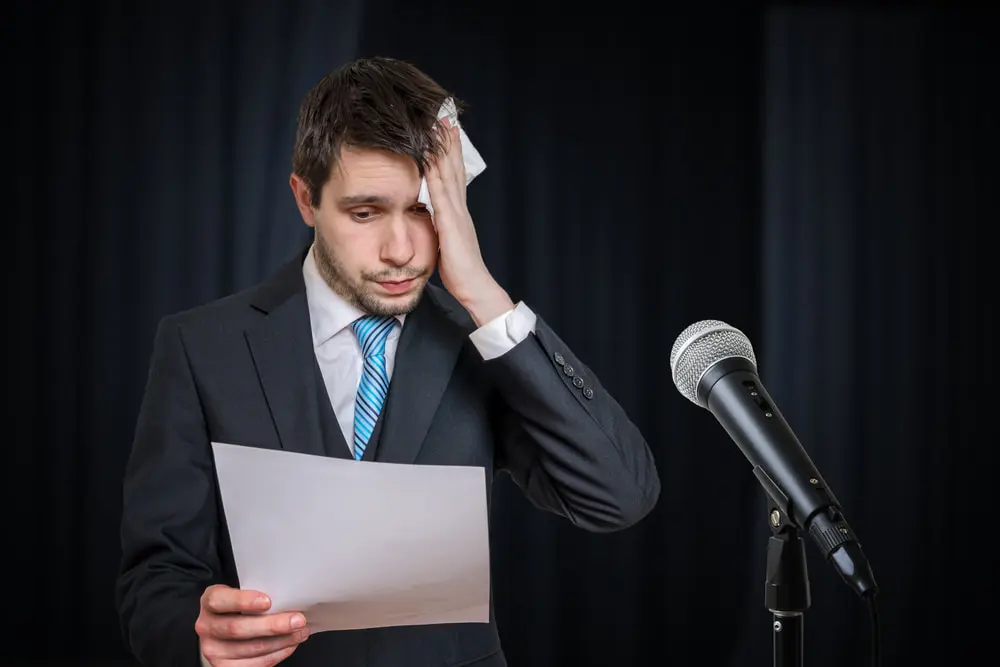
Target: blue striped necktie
x=372, y=332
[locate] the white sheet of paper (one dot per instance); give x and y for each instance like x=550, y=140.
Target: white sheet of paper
x=358, y=544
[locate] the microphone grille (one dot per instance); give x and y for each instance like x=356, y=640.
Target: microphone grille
x=699, y=347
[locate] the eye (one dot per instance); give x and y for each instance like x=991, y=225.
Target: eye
x=364, y=215
x=420, y=209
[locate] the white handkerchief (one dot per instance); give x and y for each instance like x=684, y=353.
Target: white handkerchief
x=474, y=164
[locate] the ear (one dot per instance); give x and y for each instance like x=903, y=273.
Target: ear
x=302, y=199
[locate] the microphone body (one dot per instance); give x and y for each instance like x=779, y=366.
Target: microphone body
x=717, y=370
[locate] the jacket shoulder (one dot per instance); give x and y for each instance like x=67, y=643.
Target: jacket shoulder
x=227, y=310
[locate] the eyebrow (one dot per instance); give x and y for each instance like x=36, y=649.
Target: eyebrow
x=356, y=200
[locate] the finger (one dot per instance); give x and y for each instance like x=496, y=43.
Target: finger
x=443, y=129
x=445, y=162
x=456, y=154
x=221, y=599
x=439, y=191
x=238, y=626
x=436, y=175
x=451, y=141
x=450, y=162
x=269, y=660
x=447, y=130
x=218, y=649
x=460, y=178
x=272, y=659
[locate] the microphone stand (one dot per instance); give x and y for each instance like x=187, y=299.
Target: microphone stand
x=786, y=592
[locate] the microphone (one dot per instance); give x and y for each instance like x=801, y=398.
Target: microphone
x=713, y=365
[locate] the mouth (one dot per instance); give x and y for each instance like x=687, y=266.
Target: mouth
x=397, y=286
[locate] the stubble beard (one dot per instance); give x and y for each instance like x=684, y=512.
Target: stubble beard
x=360, y=293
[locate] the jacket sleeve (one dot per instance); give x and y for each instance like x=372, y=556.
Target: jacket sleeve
x=169, y=524
x=566, y=441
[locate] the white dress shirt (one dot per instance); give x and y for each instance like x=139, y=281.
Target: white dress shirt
x=339, y=353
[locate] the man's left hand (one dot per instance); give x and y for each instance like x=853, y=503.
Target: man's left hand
x=461, y=266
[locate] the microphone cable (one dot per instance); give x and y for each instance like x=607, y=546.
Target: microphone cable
x=873, y=614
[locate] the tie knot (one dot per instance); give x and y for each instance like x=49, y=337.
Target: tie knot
x=372, y=332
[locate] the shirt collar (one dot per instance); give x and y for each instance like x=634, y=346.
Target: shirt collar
x=329, y=313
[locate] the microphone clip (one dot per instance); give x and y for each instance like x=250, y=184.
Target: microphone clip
x=787, y=583
x=786, y=589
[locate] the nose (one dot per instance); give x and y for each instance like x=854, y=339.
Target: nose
x=397, y=246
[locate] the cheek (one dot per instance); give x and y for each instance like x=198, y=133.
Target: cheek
x=356, y=247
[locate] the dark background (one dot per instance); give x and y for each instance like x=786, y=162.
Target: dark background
x=820, y=178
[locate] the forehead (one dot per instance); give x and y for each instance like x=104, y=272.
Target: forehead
x=374, y=172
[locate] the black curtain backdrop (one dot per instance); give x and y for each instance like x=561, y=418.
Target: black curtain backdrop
x=818, y=178
x=879, y=182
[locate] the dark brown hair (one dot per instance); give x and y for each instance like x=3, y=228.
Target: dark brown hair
x=376, y=102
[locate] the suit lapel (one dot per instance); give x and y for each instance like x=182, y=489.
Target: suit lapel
x=428, y=349
x=282, y=350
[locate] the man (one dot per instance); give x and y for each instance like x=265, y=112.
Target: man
x=348, y=351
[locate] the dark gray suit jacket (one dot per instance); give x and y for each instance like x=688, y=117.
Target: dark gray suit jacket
x=242, y=370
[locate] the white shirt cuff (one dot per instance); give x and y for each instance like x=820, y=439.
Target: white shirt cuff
x=502, y=333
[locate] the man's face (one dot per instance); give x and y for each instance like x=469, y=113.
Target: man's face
x=375, y=243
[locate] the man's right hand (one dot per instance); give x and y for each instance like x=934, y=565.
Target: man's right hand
x=231, y=638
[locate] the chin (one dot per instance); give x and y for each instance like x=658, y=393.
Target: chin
x=398, y=304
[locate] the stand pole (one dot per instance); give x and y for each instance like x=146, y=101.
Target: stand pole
x=786, y=592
